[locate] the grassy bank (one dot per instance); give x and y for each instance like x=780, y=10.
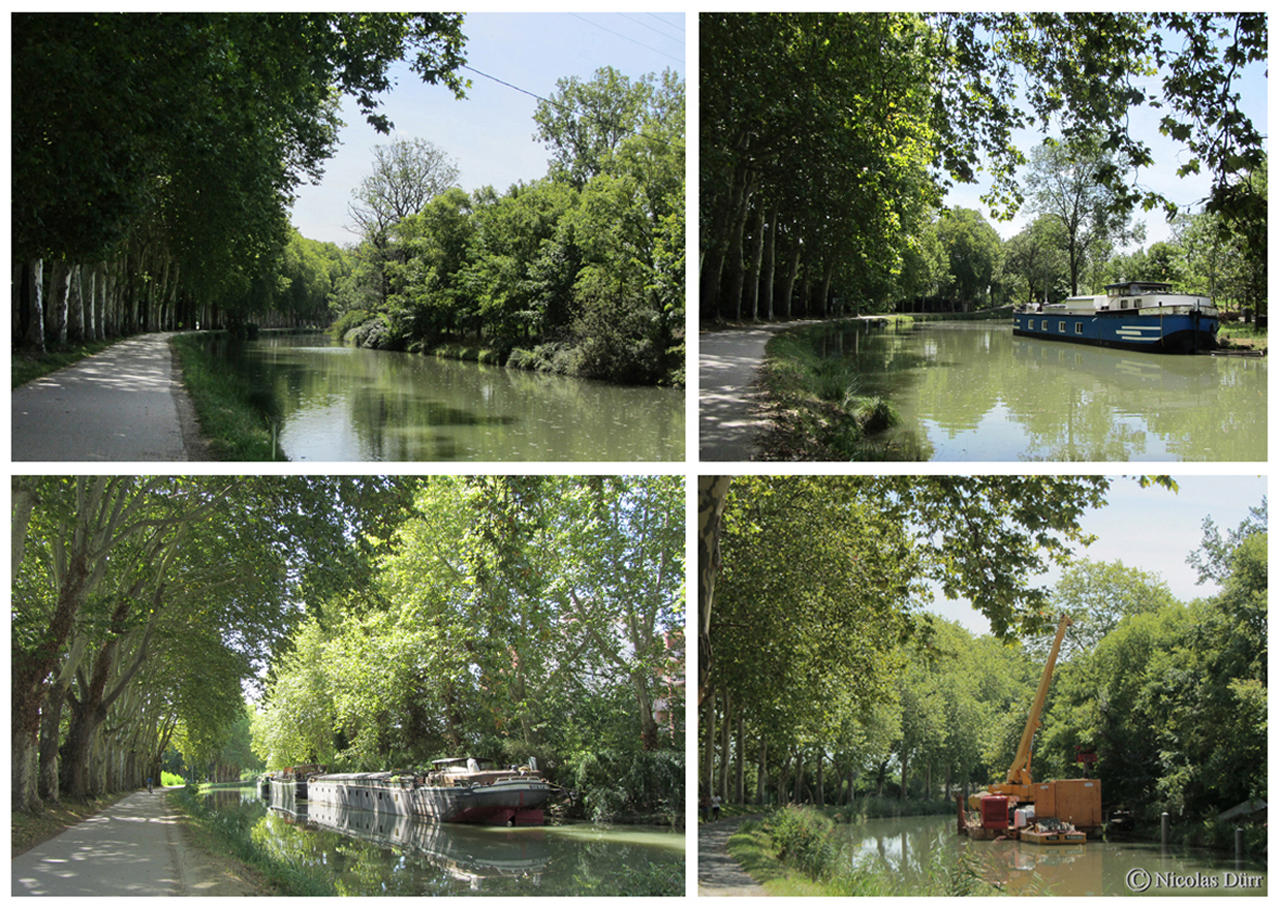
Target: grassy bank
x=232, y=835
x=801, y=851
x=1241, y=336
x=26, y=367
x=237, y=418
x=818, y=410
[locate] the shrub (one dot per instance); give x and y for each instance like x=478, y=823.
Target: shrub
x=802, y=838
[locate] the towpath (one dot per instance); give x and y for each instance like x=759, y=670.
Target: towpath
x=124, y=404
x=718, y=873
x=730, y=417
x=136, y=847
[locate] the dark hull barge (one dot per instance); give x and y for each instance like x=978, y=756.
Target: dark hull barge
x=454, y=791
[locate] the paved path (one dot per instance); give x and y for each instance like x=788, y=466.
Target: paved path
x=133, y=848
x=124, y=404
x=729, y=418
x=718, y=874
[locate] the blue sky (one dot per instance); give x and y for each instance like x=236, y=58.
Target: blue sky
x=490, y=134
x=1152, y=529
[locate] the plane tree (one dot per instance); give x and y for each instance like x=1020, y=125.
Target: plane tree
x=146, y=143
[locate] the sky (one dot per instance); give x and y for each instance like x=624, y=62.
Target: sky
x=1188, y=192
x=490, y=135
x=1151, y=529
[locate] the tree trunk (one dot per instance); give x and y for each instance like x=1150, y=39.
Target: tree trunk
x=726, y=727
x=735, y=261
x=762, y=770
x=740, y=763
x=75, y=305
x=55, y=310
x=789, y=283
x=754, y=268
x=766, y=270
x=34, y=339
x=709, y=754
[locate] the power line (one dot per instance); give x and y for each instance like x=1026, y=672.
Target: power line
x=626, y=38
x=570, y=110
x=650, y=27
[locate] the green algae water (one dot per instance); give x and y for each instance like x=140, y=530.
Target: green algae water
x=339, y=403
x=971, y=391
x=907, y=850
x=360, y=853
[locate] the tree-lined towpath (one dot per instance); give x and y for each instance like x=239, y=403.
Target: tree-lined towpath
x=124, y=404
x=718, y=873
x=136, y=847
x=729, y=405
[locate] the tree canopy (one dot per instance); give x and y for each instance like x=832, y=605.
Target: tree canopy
x=158, y=144
x=886, y=111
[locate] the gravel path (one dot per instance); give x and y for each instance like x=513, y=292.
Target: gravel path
x=729, y=417
x=124, y=404
x=136, y=847
x=718, y=874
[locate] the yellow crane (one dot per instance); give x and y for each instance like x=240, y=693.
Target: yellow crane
x=1074, y=802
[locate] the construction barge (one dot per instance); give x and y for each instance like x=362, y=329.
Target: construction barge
x=1051, y=813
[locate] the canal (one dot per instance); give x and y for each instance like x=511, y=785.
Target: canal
x=360, y=853
x=971, y=391
x=909, y=849
x=339, y=403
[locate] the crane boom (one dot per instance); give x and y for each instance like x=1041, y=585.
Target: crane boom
x=1020, y=769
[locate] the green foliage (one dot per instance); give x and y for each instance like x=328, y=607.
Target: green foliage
x=802, y=838
x=579, y=272
x=622, y=785
x=511, y=617
x=171, y=144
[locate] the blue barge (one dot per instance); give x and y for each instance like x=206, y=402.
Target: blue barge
x=1133, y=315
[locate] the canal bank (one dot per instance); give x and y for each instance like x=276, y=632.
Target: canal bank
x=139, y=846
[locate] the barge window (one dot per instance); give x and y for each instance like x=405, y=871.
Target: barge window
x=1062, y=327
x=1079, y=328
x=1044, y=324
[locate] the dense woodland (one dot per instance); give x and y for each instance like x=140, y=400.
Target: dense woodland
x=824, y=692
x=156, y=156
x=580, y=271
x=829, y=140
x=227, y=623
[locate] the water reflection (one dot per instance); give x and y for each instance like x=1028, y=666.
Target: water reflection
x=471, y=855
x=971, y=391
x=360, y=853
x=910, y=849
x=336, y=403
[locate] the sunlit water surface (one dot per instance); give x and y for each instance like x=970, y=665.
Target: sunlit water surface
x=338, y=403
x=974, y=392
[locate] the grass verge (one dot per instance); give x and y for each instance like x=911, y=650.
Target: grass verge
x=30, y=830
x=238, y=419
x=800, y=851
x=817, y=411
x=1241, y=336
x=232, y=835
x=26, y=367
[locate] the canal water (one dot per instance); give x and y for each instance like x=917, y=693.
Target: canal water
x=365, y=854
x=339, y=403
x=973, y=392
x=909, y=849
